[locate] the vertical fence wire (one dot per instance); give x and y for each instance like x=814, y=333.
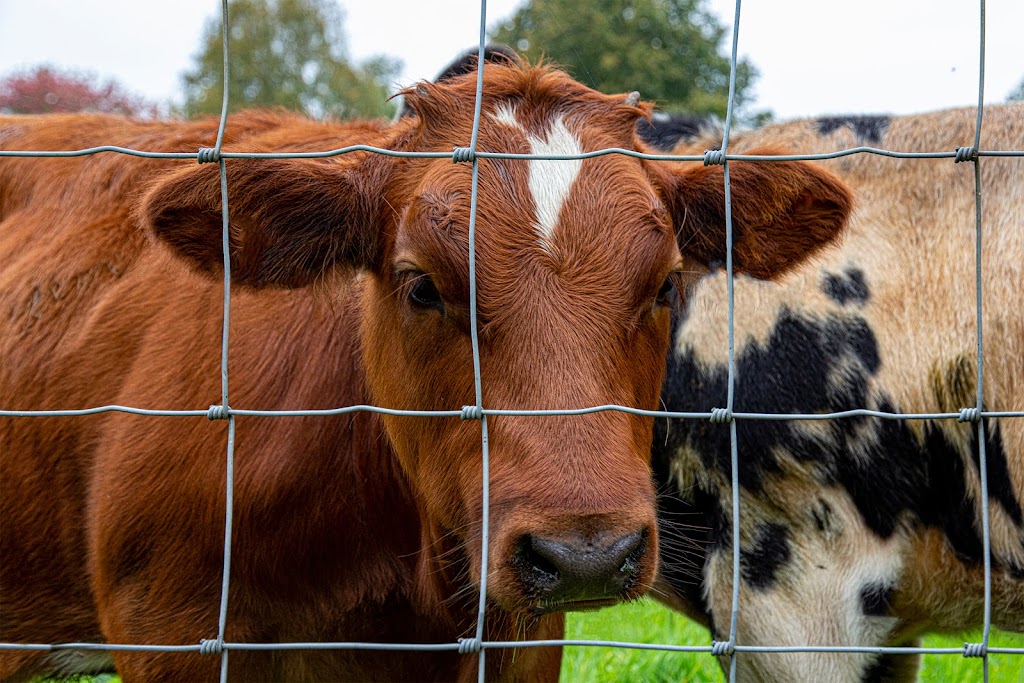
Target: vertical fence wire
x=229, y=488
x=986, y=535
x=477, y=644
x=734, y=463
x=485, y=460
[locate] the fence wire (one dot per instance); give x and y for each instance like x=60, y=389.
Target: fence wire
x=478, y=644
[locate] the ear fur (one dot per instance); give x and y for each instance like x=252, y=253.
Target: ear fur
x=290, y=220
x=782, y=212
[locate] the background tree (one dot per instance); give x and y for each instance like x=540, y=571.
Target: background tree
x=670, y=50
x=44, y=89
x=288, y=53
x=1018, y=93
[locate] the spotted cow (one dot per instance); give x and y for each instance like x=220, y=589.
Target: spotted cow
x=350, y=286
x=860, y=530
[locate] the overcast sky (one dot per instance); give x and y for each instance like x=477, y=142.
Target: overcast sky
x=814, y=56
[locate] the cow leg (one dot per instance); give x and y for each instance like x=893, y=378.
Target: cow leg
x=134, y=615
x=44, y=590
x=16, y=666
x=42, y=603
x=153, y=587
x=23, y=665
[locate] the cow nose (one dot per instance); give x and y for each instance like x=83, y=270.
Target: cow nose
x=562, y=573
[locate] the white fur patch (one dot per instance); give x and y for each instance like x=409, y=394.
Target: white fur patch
x=68, y=663
x=551, y=181
x=505, y=113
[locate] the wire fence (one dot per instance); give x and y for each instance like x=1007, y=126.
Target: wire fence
x=222, y=647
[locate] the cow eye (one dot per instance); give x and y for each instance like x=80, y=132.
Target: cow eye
x=668, y=289
x=423, y=293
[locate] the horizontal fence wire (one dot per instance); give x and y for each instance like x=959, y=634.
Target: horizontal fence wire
x=545, y=412
x=511, y=155
x=221, y=646
x=503, y=644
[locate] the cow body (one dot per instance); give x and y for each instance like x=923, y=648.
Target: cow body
x=859, y=531
x=350, y=285
x=98, y=316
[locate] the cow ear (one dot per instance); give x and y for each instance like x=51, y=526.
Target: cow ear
x=290, y=220
x=782, y=212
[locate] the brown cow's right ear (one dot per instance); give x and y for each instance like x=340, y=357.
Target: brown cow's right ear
x=291, y=220
x=782, y=211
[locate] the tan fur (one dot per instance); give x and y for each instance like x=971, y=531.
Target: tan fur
x=912, y=232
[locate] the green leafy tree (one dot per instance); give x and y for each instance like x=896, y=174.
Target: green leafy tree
x=288, y=53
x=672, y=51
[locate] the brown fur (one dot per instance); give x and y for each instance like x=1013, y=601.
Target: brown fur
x=352, y=527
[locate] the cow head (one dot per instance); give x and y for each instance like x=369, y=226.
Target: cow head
x=576, y=265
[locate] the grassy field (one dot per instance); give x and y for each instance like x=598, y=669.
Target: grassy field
x=647, y=622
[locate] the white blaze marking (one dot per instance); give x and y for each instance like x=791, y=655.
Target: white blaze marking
x=550, y=181
x=505, y=113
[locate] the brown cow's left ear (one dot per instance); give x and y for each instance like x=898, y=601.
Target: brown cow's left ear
x=291, y=220
x=782, y=212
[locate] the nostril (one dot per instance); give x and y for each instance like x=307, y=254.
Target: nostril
x=581, y=568
x=537, y=562
x=632, y=551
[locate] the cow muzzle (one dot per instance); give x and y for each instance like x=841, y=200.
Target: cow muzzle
x=580, y=572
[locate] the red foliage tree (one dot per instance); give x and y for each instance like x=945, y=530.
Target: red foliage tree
x=44, y=89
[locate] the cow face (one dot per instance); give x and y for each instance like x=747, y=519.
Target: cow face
x=576, y=265
x=832, y=549
x=823, y=522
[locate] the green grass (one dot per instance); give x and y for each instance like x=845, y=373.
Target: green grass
x=640, y=622
x=648, y=622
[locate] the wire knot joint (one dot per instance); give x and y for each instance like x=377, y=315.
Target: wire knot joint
x=721, y=648
x=208, y=155
x=211, y=647
x=721, y=415
x=472, y=413
x=218, y=412
x=469, y=646
x=714, y=157
x=965, y=154
x=460, y=154
x=969, y=415
x=975, y=649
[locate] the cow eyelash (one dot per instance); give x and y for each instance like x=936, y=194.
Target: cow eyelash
x=668, y=289
x=422, y=293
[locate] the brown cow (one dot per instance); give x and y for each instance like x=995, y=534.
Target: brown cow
x=353, y=527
